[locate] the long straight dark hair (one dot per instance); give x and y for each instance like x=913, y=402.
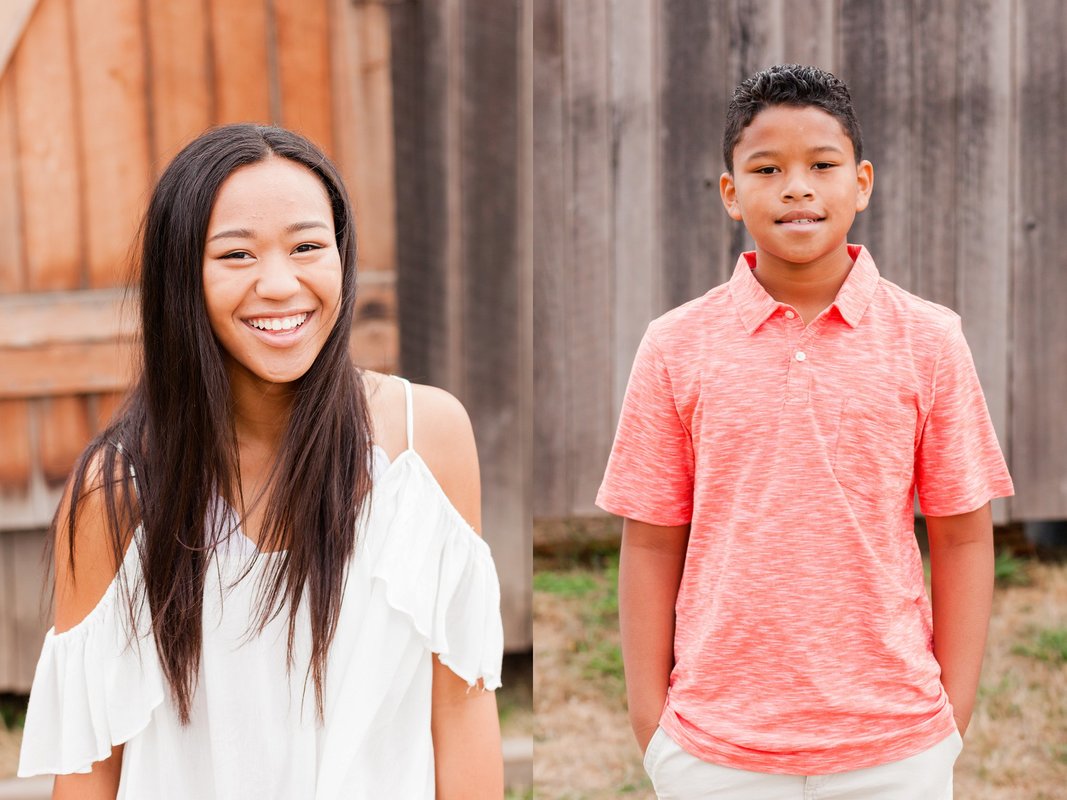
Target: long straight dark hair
x=176, y=430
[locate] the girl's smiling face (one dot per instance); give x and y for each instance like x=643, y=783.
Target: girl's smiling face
x=272, y=273
x=796, y=186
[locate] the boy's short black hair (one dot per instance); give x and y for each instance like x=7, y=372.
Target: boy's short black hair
x=789, y=85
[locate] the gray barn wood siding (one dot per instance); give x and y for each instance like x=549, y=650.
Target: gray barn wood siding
x=963, y=117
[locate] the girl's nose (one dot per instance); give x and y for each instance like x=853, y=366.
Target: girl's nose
x=277, y=278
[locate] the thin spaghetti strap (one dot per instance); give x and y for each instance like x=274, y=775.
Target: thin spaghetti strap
x=409, y=412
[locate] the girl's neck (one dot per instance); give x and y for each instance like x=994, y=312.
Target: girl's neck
x=260, y=409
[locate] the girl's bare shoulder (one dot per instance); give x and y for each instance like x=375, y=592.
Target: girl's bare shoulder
x=443, y=436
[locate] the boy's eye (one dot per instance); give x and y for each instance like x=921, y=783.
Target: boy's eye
x=823, y=165
x=766, y=170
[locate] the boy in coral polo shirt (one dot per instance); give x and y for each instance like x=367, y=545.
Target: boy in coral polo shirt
x=777, y=636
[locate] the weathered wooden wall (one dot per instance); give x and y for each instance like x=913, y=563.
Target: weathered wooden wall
x=462, y=110
x=961, y=106
x=96, y=97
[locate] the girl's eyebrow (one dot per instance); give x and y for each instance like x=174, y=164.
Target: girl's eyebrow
x=245, y=233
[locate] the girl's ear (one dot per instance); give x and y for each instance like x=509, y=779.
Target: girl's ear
x=728, y=193
x=864, y=184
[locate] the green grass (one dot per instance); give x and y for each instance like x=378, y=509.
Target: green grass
x=1008, y=570
x=13, y=711
x=1046, y=644
x=519, y=794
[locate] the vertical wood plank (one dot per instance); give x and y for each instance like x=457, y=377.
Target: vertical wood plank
x=491, y=285
x=364, y=137
x=634, y=39
x=876, y=61
x=984, y=220
x=12, y=255
x=48, y=148
x=425, y=163
x=551, y=474
x=15, y=455
x=65, y=429
x=31, y=601
x=1039, y=351
x=109, y=61
x=933, y=159
x=302, y=35
x=588, y=299
x=700, y=242
x=181, y=87
x=240, y=61
x=808, y=37
x=8, y=646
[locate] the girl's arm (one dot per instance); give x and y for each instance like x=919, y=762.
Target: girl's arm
x=650, y=570
x=465, y=725
x=961, y=580
x=96, y=566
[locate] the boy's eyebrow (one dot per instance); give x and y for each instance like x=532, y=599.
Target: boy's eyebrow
x=245, y=233
x=822, y=148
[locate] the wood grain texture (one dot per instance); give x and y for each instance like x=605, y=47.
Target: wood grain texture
x=66, y=428
x=181, y=86
x=15, y=453
x=48, y=151
x=302, y=36
x=12, y=254
x=66, y=368
x=935, y=140
x=636, y=246
x=876, y=63
x=984, y=202
x=8, y=648
x=491, y=301
x=30, y=609
x=241, y=62
x=808, y=37
x=1039, y=341
x=551, y=475
x=700, y=242
x=89, y=316
x=364, y=138
x=109, y=49
x=426, y=214
x=588, y=300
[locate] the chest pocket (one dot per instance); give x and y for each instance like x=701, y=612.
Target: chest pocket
x=875, y=451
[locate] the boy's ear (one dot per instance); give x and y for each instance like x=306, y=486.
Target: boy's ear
x=864, y=183
x=728, y=193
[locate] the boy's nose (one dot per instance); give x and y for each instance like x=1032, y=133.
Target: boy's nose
x=796, y=187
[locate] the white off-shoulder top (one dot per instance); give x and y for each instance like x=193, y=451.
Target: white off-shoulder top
x=421, y=582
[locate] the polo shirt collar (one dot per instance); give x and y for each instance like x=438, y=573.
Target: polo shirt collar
x=755, y=306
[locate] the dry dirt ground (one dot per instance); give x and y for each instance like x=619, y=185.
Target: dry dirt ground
x=1016, y=747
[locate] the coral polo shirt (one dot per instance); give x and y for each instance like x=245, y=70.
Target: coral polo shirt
x=804, y=634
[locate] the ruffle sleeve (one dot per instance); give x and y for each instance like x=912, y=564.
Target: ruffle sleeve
x=96, y=686
x=437, y=571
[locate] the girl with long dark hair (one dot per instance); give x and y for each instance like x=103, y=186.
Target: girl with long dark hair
x=268, y=581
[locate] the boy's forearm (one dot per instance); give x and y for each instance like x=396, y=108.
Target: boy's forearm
x=961, y=577
x=650, y=570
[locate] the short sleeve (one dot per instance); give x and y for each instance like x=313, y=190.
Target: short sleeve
x=438, y=573
x=959, y=466
x=649, y=475
x=96, y=686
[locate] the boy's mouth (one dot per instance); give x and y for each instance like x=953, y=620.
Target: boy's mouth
x=799, y=218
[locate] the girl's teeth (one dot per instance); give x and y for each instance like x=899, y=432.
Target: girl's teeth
x=279, y=324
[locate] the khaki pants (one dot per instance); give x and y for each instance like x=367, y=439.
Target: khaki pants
x=677, y=775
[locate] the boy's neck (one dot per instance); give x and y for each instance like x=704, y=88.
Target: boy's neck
x=809, y=288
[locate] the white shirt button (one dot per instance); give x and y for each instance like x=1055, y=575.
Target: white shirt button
x=790, y=315
x=800, y=355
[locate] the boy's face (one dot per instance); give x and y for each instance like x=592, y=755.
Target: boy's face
x=796, y=186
